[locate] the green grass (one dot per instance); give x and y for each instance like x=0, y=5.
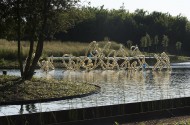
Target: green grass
x=8, y=64
x=179, y=120
x=8, y=51
x=179, y=59
x=11, y=89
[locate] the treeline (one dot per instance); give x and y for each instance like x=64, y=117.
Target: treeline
x=153, y=32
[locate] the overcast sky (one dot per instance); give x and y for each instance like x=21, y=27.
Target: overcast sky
x=174, y=7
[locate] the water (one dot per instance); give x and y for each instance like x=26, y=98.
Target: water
x=117, y=87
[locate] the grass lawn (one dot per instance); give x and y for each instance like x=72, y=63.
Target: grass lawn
x=11, y=89
x=8, y=51
x=179, y=120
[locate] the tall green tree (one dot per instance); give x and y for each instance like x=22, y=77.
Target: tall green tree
x=156, y=42
x=119, y=25
x=129, y=44
x=165, y=42
x=149, y=41
x=36, y=18
x=144, y=43
x=178, y=46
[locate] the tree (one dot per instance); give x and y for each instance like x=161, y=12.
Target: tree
x=165, y=41
x=178, y=46
x=129, y=43
x=35, y=18
x=144, y=42
x=156, y=41
x=149, y=41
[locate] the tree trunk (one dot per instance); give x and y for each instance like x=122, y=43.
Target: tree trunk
x=29, y=59
x=30, y=54
x=18, y=35
x=29, y=74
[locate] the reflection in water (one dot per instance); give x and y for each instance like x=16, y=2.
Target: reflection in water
x=47, y=75
x=125, y=86
x=111, y=76
x=30, y=108
x=161, y=77
x=117, y=87
x=106, y=76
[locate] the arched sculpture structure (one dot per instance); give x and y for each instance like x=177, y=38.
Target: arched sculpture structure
x=109, y=59
x=106, y=58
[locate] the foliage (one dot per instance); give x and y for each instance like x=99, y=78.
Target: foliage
x=144, y=42
x=165, y=42
x=89, y=23
x=129, y=44
x=149, y=41
x=8, y=59
x=178, y=46
x=121, y=26
x=55, y=48
x=156, y=42
x=36, y=20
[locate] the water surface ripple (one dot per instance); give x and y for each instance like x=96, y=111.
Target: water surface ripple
x=117, y=87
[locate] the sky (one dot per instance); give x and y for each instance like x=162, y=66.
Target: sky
x=173, y=7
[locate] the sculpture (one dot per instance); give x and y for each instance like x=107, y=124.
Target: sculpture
x=46, y=65
x=107, y=59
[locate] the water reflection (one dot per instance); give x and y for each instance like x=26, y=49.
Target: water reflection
x=105, y=76
x=30, y=108
x=117, y=87
x=111, y=76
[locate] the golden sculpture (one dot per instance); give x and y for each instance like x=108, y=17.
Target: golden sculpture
x=46, y=65
x=107, y=59
x=162, y=60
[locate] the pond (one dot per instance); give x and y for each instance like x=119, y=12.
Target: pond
x=117, y=87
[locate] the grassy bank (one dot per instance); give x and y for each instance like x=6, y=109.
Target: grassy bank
x=179, y=120
x=11, y=89
x=8, y=51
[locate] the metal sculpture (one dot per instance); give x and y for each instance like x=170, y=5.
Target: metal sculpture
x=162, y=61
x=46, y=65
x=109, y=59
x=126, y=64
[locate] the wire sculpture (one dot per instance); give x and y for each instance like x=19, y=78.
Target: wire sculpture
x=46, y=65
x=109, y=59
x=162, y=61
